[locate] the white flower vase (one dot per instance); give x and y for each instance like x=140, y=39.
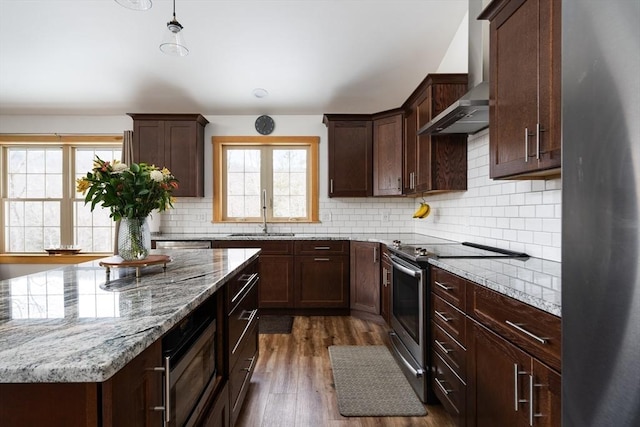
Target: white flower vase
x=134, y=239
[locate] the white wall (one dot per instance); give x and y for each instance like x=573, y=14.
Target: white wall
x=456, y=59
x=521, y=215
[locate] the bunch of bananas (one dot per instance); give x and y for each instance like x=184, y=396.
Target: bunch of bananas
x=423, y=211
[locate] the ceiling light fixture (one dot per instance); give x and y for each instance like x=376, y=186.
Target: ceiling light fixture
x=135, y=4
x=173, y=42
x=260, y=93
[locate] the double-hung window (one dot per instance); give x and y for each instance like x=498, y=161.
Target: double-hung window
x=276, y=177
x=40, y=205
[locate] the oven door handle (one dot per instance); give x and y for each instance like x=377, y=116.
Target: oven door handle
x=411, y=272
x=416, y=372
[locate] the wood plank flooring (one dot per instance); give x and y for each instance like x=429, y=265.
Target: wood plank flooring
x=292, y=385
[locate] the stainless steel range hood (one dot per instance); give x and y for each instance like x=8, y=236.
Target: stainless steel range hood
x=470, y=113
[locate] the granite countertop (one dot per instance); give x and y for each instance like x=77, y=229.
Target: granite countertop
x=75, y=324
x=535, y=281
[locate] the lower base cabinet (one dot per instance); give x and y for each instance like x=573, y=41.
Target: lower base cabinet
x=322, y=281
x=507, y=387
x=365, y=277
x=488, y=373
x=219, y=416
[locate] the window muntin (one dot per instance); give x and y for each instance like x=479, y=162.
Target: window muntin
x=40, y=207
x=284, y=167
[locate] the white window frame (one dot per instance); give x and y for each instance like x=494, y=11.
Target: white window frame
x=68, y=143
x=222, y=143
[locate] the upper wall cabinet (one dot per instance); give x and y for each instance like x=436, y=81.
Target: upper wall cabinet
x=350, y=155
x=524, y=109
x=175, y=141
x=433, y=163
x=387, y=153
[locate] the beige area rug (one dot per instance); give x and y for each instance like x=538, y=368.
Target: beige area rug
x=369, y=383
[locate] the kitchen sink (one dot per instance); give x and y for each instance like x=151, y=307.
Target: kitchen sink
x=259, y=234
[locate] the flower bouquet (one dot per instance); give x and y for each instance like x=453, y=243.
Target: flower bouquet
x=131, y=192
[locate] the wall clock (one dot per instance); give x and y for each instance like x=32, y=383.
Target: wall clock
x=265, y=125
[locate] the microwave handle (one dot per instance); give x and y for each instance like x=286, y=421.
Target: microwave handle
x=167, y=392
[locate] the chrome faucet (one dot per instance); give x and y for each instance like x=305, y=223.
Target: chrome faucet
x=264, y=211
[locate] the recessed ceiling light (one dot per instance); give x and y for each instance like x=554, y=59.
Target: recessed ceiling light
x=260, y=93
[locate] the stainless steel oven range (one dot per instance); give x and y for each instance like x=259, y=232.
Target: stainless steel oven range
x=411, y=301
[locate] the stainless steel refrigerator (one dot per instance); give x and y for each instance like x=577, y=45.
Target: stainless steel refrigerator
x=600, y=209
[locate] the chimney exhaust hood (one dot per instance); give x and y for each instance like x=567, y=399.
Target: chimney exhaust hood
x=470, y=113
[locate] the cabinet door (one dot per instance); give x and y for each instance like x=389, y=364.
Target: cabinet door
x=322, y=281
x=409, y=150
x=131, y=393
x=184, y=156
x=276, y=281
x=546, y=385
x=525, y=88
x=350, y=158
x=148, y=142
x=365, y=277
x=422, y=178
x=497, y=380
x=387, y=156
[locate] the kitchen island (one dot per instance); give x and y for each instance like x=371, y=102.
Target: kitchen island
x=76, y=328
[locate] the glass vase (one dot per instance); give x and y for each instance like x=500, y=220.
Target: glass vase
x=134, y=239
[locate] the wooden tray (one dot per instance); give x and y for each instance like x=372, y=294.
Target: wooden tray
x=117, y=262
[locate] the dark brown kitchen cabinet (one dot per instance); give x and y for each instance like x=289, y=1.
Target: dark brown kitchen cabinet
x=275, y=267
x=322, y=279
x=174, y=141
x=365, y=277
x=434, y=163
x=496, y=360
x=350, y=155
x=524, y=108
x=507, y=386
x=387, y=153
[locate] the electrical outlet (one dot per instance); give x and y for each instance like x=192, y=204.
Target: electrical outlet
x=201, y=217
x=325, y=217
x=386, y=216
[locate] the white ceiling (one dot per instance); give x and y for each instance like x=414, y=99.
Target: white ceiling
x=91, y=57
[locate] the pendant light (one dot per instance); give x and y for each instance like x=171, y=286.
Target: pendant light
x=135, y=4
x=173, y=42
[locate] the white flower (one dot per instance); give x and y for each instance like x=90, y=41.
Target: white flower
x=119, y=167
x=156, y=176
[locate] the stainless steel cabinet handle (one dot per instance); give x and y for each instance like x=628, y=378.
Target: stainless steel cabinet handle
x=443, y=286
x=442, y=316
x=524, y=331
x=166, y=407
x=375, y=254
x=385, y=282
x=538, y=130
x=252, y=360
x=322, y=248
x=440, y=384
x=516, y=373
x=331, y=186
x=526, y=145
x=399, y=184
x=321, y=259
x=442, y=347
x=531, y=400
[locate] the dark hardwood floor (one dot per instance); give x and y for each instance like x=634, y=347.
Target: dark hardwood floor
x=292, y=385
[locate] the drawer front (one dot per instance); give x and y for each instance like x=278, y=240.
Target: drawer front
x=532, y=329
x=449, y=286
x=241, y=371
x=241, y=284
x=450, y=350
x=241, y=320
x=319, y=247
x=450, y=390
x=269, y=247
x=449, y=318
